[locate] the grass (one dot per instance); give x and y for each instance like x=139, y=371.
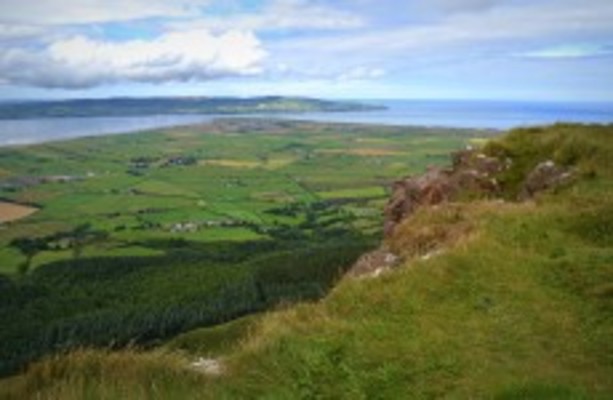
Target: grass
x=159, y=375
x=517, y=306
x=213, y=341
x=127, y=184
x=357, y=193
x=505, y=313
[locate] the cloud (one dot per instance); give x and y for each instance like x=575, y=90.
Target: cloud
x=450, y=6
x=362, y=73
x=517, y=23
x=450, y=50
x=338, y=45
x=80, y=62
x=58, y=12
x=330, y=73
x=280, y=15
x=574, y=51
x=20, y=31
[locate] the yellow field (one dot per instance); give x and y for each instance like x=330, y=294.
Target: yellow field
x=272, y=163
x=12, y=212
x=364, y=152
x=4, y=173
x=478, y=141
x=232, y=163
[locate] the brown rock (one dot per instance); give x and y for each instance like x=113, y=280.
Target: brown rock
x=471, y=171
x=434, y=187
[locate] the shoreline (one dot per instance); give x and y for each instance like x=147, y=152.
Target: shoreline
x=20, y=143
x=493, y=116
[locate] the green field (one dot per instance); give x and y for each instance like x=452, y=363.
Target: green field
x=141, y=237
x=208, y=183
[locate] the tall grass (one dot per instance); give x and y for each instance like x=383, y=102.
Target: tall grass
x=96, y=374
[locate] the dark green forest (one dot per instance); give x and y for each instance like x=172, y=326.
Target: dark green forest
x=119, y=301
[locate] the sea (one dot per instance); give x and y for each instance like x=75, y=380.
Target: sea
x=498, y=115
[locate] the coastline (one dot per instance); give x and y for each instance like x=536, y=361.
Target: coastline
x=411, y=113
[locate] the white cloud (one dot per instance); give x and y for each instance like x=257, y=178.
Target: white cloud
x=450, y=48
x=80, y=62
x=362, y=73
x=19, y=31
x=530, y=22
x=93, y=11
x=460, y=5
x=280, y=14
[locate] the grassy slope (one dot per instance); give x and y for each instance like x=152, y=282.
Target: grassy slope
x=519, y=307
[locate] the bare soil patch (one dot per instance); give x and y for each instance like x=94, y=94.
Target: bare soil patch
x=13, y=212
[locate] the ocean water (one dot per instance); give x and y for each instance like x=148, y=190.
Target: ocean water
x=474, y=114
x=461, y=114
x=38, y=130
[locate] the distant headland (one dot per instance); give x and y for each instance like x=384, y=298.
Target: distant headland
x=126, y=106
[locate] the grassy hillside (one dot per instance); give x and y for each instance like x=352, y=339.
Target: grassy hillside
x=136, y=238
x=516, y=305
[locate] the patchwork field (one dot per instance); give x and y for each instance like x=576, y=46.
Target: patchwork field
x=231, y=180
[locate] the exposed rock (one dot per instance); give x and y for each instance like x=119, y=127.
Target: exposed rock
x=474, y=160
x=432, y=254
x=472, y=172
x=473, y=175
x=545, y=175
x=433, y=187
x=374, y=263
x=208, y=366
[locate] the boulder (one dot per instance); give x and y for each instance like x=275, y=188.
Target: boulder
x=544, y=176
x=374, y=263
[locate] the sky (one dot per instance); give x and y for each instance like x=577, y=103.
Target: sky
x=538, y=50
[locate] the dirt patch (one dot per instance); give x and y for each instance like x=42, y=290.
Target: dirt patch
x=13, y=212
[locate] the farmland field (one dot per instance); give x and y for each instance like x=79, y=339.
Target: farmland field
x=207, y=183
x=140, y=237
x=12, y=212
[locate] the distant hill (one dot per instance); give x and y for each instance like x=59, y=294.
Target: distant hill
x=121, y=107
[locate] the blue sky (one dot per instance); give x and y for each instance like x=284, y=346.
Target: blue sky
x=432, y=49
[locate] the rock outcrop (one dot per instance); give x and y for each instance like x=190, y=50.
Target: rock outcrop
x=374, y=263
x=545, y=175
x=472, y=173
